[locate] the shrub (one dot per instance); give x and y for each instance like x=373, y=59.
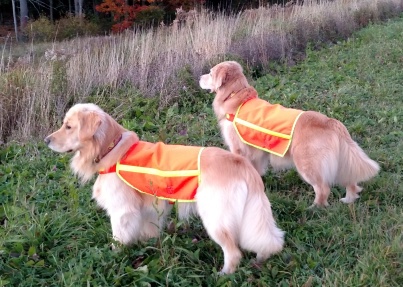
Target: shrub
x=364, y=16
x=259, y=50
x=70, y=27
x=43, y=30
x=149, y=16
x=336, y=28
x=387, y=10
x=302, y=33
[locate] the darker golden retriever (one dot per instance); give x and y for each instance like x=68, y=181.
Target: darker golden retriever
x=320, y=148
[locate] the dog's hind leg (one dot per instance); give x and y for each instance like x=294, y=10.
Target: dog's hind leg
x=317, y=166
x=352, y=191
x=321, y=188
x=228, y=241
x=232, y=254
x=322, y=192
x=220, y=207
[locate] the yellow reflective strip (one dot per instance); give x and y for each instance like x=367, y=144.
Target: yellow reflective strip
x=237, y=111
x=198, y=166
x=122, y=178
x=260, y=129
x=118, y=168
x=265, y=149
x=259, y=147
x=154, y=171
x=292, y=130
x=295, y=122
x=264, y=130
x=248, y=143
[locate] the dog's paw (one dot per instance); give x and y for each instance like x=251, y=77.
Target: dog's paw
x=319, y=205
x=115, y=247
x=349, y=199
x=225, y=271
x=257, y=264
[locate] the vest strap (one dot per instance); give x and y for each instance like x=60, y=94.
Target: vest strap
x=230, y=117
x=111, y=169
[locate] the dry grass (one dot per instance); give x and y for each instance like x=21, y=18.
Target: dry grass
x=37, y=87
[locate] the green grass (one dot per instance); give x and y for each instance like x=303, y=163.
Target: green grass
x=52, y=234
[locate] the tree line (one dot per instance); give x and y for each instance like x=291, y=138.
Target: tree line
x=120, y=13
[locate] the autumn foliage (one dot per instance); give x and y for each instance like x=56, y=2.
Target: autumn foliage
x=124, y=14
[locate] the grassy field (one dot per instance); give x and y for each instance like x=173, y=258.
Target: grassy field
x=52, y=234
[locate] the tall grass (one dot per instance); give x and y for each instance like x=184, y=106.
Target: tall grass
x=38, y=86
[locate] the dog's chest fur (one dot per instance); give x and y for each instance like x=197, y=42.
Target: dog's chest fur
x=232, y=139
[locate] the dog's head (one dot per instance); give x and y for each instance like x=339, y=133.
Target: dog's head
x=229, y=83
x=224, y=74
x=80, y=125
x=89, y=132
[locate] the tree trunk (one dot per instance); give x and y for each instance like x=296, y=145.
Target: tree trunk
x=51, y=10
x=15, y=20
x=23, y=13
x=78, y=8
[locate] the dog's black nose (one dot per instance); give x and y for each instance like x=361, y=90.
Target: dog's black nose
x=47, y=140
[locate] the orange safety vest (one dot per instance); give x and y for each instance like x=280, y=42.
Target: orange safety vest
x=265, y=126
x=170, y=172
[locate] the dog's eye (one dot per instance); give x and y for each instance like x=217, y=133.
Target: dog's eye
x=68, y=127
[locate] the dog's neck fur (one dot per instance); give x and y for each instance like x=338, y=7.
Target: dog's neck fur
x=83, y=164
x=109, y=148
x=229, y=98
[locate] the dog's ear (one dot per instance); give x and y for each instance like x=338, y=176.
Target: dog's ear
x=219, y=77
x=89, y=123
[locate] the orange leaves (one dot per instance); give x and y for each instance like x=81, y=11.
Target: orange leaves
x=123, y=14
x=114, y=6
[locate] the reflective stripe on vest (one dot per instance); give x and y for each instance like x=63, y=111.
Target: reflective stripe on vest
x=265, y=126
x=169, y=172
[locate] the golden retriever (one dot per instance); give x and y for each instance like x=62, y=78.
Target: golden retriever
x=230, y=198
x=321, y=149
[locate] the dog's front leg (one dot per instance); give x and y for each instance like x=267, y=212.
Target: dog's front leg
x=126, y=227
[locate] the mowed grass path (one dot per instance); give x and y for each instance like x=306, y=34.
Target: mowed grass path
x=52, y=234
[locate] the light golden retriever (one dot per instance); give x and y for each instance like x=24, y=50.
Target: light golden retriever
x=230, y=198
x=321, y=150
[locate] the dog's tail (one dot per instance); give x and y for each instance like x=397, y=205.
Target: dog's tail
x=259, y=232
x=354, y=164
